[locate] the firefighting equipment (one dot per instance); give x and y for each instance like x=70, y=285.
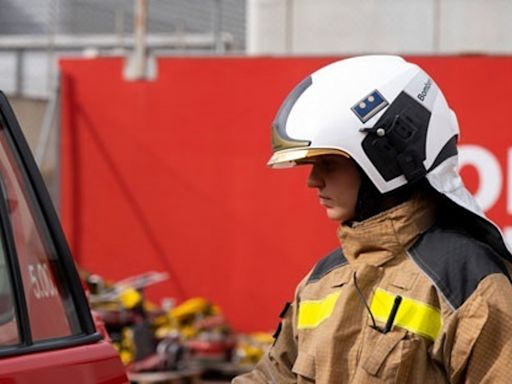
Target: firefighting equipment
x=150, y=338
x=130, y=298
x=126, y=291
x=191, y=308
x=126, y=346
x=454, y=300
x=251, y=347
x=391, y=118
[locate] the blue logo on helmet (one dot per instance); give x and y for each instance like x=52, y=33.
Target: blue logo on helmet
x=369, y=106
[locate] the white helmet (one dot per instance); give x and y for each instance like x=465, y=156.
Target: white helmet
x=389, y=116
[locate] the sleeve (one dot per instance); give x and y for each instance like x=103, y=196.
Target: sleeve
x=481, y=345
x=276, y=365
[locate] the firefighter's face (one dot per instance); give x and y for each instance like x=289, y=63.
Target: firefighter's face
x=337, y=180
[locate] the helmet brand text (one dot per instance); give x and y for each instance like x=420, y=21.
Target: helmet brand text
x=426, y=87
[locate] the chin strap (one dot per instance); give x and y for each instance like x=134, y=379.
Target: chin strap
x=371, y=202
x=369, y=199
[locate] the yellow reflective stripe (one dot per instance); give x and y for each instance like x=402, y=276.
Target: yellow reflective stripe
x=313, y=312
x=413, y=315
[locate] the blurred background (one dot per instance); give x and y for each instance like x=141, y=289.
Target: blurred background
x=150, y=122
x=35, y=34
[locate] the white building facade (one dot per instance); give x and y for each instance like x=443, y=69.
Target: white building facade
x=323, y=27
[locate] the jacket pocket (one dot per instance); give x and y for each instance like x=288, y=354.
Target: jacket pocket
x=304, y=368
x=386, y=357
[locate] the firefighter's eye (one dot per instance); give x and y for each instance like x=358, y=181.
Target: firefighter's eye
x=326, y=164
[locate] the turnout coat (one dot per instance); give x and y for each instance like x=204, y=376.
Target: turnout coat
x=407, y=299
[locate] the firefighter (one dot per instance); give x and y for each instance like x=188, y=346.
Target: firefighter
x=420, y=290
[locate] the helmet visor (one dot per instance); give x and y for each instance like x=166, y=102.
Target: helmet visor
x=297, y=156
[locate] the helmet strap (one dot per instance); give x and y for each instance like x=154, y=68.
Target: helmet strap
x=371, y=202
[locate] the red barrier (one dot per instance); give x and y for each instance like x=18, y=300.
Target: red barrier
x=170, y=175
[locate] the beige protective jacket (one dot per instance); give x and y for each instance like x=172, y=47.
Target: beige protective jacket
x=453, y=324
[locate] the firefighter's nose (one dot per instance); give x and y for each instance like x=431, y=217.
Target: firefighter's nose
x=315, y=179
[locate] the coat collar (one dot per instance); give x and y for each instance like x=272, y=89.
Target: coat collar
x=388, y=235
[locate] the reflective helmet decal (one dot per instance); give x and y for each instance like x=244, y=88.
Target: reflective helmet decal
x=369, y=106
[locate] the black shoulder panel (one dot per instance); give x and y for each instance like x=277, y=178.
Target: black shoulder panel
x=455, y=262
x=332, y=261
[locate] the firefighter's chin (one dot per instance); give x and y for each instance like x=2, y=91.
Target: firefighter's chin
x=338, y=214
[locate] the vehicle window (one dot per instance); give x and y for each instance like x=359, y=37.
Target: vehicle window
x=50, y=307
x=8, y=324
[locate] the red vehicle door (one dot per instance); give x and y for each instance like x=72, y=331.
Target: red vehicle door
x=47, y=334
